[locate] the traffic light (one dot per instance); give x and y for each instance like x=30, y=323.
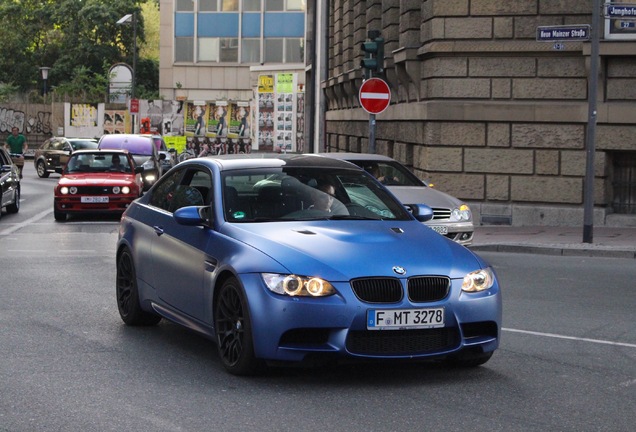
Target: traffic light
x=373, y=62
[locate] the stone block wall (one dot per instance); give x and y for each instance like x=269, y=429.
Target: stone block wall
x=481, y=108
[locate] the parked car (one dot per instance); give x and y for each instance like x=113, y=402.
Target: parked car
x=452, y=217
x=237, y=248
x=97, y=181
x=55, y=151
x=9, y=184
x=143, y=150
x=170, y=154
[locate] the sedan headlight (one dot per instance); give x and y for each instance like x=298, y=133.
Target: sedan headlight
x=479, y=280
x=293, y=285
x=64, y=190
x=462, y=213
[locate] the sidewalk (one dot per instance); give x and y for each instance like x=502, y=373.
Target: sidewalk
x=607, y=241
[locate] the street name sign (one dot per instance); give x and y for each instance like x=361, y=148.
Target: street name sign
x=620, y=11
x=374, y=95
x=563, y=33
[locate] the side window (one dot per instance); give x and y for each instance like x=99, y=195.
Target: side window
x=163, y=192
x=186, y=187
x=3, y=159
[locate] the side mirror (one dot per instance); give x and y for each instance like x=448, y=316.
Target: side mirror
x=162, y=156
x=421, y=212
x=193, y=215
x=59, y=170
x=139, y=169
x=171, y=150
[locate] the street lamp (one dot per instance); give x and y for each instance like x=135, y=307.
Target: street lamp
x=127, y=19
x=45, y=75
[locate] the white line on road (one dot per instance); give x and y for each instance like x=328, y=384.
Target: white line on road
x=552, y=335
x=35, y=218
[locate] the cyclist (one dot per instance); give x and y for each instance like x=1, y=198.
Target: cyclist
x=17, y=145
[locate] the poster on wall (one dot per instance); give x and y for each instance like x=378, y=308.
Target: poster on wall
x=152, y=112
x=173, y=113
x=196, y=118
x=220, y=111
x=284, y=112
x=84, y=120
x=300, y=121
x=265, y=134
x=116, y=121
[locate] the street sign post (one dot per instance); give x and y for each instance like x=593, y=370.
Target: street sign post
x=374, y=96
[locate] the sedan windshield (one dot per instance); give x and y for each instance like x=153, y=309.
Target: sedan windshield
x=98, y=162
x=307, y=194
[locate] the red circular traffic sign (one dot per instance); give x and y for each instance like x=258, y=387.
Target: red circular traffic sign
x=374, y=95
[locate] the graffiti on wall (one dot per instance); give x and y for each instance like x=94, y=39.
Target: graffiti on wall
x=35, y=123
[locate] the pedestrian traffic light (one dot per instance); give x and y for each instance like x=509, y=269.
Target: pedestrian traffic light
x=373, y=61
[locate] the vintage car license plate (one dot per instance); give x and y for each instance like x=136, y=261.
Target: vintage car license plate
x=440, y=229
x=388, y=319
x=96, y=199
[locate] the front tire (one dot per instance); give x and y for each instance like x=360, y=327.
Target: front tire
x=15, y=207
x=128, y=295
x=59, y=216
x=234, y=331
x=40, y=168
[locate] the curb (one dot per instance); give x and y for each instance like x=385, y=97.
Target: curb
x=557, y=250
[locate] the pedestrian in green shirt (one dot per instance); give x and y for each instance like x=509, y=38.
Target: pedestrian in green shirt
x=16, y=145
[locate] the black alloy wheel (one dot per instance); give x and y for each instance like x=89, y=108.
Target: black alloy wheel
x=15, y=206
x=128, y=295
x=234, y=331
x=41, y=169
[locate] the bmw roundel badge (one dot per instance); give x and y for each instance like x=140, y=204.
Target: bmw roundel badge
x=399, y=270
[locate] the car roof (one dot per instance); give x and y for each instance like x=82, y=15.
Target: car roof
x=357, y=156
x=94, y=151
x=273, y=160
x=134, y=143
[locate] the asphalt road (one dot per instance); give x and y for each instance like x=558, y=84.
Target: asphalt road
x=567, y=360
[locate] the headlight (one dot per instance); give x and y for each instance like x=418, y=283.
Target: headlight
x=116, y=189
x=462, y=213
x=293, y=285
x=73, y=190
x=125, y=190
x=148, y=164
x=479, y=280
x=64, y=190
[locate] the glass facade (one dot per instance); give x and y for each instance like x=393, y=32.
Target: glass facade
x=239, y=31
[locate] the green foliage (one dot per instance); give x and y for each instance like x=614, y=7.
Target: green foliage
x=75, y=38
x=7, y=91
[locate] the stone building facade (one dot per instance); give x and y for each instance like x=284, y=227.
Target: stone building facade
x=487, y=112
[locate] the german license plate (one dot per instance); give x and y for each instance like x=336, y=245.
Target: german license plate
x=440, y=229
x=395, y=319
x=97, y=199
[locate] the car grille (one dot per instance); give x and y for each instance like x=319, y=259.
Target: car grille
x=94, y=190
x=390, y=290
x=441, y=213
x=402, y=342
x=429, y=288
x=378, y=290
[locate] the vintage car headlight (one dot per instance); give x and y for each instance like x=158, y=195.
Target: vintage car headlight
x=125, y=190
x=293, y=285
x=479, y=280
x=116, y=189
x=72, y=190
x=462, y=213
x=64, y=190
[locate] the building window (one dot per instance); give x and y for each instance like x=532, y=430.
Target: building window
x=218, y=5
x=184, y=49
x=284, y=5
x=208, y=5
x=250, y=51
x=624, y=182
x=294, y=50
x=273, y=50
x=218, y=50
x=251, y=5
x=185, y=6
x=229, y=50
x=284, y=50
x=208, y=49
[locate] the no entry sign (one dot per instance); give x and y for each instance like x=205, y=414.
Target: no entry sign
x=374, y=95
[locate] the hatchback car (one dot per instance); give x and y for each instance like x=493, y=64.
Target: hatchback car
x=170, y=154
x=301, y=257
x=143, y=150
x=452, y=217
x=97, y=181
x=9, y=184
x=55, y=152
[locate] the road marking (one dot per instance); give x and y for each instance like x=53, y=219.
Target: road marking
x=552, y=335
x=26, y=222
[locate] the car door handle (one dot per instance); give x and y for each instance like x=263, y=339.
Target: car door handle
x=158, y=230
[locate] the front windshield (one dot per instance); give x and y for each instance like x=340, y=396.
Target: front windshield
x=306, y=194
x=98, y=163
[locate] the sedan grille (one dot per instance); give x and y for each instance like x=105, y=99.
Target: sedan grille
x=402, y=342
x=428, y=288
x=378, y=290
x=93, y=190
x=441, y=213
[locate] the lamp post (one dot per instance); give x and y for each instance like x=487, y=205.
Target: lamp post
x=45, y=75
x=132, y=19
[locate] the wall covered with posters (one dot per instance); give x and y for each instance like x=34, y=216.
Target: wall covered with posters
x=281, y=123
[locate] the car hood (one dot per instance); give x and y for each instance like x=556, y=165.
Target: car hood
x=96, y=179
x=343, y=250
x=424, y=195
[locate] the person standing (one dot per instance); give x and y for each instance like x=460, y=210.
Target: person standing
x=17, y=145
